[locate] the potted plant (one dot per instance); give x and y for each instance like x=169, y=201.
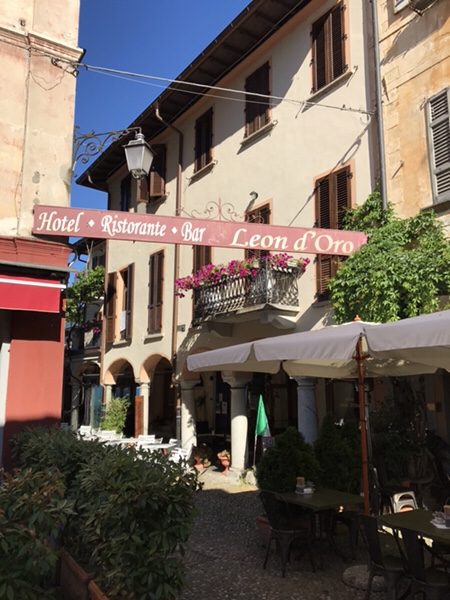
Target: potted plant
x=115, y=414
x=225, y=460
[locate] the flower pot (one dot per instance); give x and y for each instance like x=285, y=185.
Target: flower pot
x=95, y=593
x=74, y=580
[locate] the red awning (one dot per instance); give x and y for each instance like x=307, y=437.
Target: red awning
x=30, y=293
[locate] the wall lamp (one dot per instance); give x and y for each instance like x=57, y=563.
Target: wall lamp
x=138, y=154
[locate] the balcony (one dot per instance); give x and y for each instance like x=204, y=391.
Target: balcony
x=272, y=289
x=87, y=338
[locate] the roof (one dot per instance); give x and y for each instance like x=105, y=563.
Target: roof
x=254, y=25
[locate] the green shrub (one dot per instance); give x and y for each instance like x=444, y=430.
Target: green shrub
x=133, y=522
x=338, y=451
x=33, y=511
x=132, y=516
x=41, y=448
x=115, y=414
x=288, y=459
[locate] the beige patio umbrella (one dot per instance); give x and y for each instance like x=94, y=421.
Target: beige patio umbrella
x=337, y=351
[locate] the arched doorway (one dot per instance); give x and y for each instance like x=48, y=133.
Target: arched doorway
x=161, y=397
x=120, y=376
x=92, y=393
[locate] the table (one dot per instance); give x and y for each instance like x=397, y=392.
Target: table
x=324, y=499
x=418, y=520
x=325, y=502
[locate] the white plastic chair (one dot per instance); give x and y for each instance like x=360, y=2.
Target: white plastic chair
x=151, y=438
x=85, y=432
x=404, y=501
x=106, y=434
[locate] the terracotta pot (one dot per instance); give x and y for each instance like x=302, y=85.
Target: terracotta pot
x=74, y=580
x=95, y=593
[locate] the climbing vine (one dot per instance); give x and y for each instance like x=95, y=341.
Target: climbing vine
x=398, y=273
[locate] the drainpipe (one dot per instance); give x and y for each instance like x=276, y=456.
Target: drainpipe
x=379, y=104
x=176, y=263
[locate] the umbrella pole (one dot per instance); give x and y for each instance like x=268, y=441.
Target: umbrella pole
x=363, y=424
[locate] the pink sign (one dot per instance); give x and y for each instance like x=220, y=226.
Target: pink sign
x=115, y=225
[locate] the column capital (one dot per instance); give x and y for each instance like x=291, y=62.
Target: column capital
x=305, y=382
x=236, y=379
x=189, y=384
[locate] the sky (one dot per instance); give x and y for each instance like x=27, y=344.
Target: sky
x=153, y=37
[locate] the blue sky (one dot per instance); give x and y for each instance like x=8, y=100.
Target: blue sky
x=154, y=37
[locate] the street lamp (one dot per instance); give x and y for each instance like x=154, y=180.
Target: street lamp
x=138, y=154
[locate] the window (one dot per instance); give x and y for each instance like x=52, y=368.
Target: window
x=126, y=306
x=259, y=215
x=155, y=292
x=119, y=305
x=400, y=4
x=157, y=176
x=125, y=193
x=328, y=47
x=438, y=118
x=257, y=109
x=203, y=140
x=110, y=307
x=202, y=257
x=332, y=200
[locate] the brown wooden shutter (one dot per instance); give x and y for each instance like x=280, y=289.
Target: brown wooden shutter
x=157, y=176
x=257, y=108
x=202, y=257
x=155, y=294
x=203, y=140
x=129, y=302
x=110, y=307
x=259, y=215
x=332, y=200
x=337, y=41
x=319, y=54
x=328, y=47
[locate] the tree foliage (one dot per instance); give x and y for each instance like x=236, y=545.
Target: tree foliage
x=398, y=273
x=87, y=287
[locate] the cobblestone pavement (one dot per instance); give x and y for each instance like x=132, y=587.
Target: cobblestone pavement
x=225, y=554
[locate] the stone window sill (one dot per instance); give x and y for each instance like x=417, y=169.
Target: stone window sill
x=330, y=86
x=203, y=171
x=253, y=137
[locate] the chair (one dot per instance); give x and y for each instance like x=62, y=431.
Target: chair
x=108, y=434
x=390, y=567
x=147, y=438
x=173, y=441
x=433, y=583
x=403, y=501
x=287, y=527
x=84, y=431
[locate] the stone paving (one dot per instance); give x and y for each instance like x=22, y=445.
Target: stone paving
x=225, y=555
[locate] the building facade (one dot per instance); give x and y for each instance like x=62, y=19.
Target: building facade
x=36, y=125
x=287, y=136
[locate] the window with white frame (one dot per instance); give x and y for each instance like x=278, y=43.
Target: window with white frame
x=438, y=121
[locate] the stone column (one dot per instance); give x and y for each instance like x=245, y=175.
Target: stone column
x=145, y=391
x=75, y=406
x=306, y=408
x=108, y=393
x=188, y=430
x=239, y=420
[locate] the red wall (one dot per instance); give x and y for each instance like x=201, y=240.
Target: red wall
x=35, y=373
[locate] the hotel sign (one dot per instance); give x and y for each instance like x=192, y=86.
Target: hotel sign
x=115, y=225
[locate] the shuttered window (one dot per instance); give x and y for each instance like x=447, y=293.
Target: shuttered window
x=203, y=140
x=157, y=175
x=126, y=307
x=155, y=292
x=332, y=200
x=110, y=307
x=259, y=215
x=257, y=109
x=438, y=114
x=125, y=193
x=328, y=47
x=202, y=257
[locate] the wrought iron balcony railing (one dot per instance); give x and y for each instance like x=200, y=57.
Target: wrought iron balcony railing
x=271, y=285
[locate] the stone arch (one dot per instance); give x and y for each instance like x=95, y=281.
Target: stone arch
x=114, y=371
x=161, y=404
x=120, y=376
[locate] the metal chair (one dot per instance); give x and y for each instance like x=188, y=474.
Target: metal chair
x=433, y=583
x=390, y=567
x=287, y=526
